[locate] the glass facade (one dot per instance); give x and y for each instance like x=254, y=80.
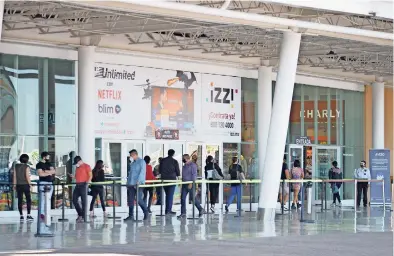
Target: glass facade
x=38, y=112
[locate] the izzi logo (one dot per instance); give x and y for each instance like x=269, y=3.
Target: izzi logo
x=106, y=109
x=222, y=95
x=102, y=72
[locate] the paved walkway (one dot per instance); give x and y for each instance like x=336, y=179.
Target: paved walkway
x=334, y=232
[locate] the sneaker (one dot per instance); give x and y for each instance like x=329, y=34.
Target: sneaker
x=29, y=218
x=226, y=208
x=212, y=209
x=171, y=213
x=298, y=206
x=332, y=205
x=201, y=213
x=91, y=214
x=21, y=218
x=293, y=207
x=129, y=218
x=105, y=214
x=182, y=216
x=339, y=205
x=146, y=216
x=79, y=219
x=149, y=211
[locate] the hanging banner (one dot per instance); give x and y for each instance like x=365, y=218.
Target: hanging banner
x=134, y=102
x=379, y=165
x=221, y=107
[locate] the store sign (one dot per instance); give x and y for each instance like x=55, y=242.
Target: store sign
x=135, y=102
x=322, y=112
x=303, y=140
x=167, y=134
x=379, y=165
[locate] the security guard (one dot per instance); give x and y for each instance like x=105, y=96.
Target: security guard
x=362, y=173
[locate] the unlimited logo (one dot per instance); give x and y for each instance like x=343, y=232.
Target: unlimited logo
x=106, y=109
x=102, y=72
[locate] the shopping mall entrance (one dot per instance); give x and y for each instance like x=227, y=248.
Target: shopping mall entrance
x=115, y=154
x=316, y=161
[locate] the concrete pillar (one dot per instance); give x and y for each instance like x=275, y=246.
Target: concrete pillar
x=378, y=114
x=264, y=108
x=279, y=124
x=86, y=103
x=1, y=16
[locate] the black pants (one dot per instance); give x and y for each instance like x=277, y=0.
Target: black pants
x=80, y=191
x=97, y=190
x=150, y=191
x=20, y=190
x=214, y=192
x=362, y=187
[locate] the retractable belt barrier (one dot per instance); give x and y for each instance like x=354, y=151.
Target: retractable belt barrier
x=44, y=194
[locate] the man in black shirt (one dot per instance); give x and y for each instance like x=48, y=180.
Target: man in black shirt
x=169, y=170
x=46, y=174
x=284, y=176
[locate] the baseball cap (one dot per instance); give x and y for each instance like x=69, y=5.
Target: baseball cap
x=77, y=159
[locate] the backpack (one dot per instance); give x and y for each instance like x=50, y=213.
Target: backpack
x=234, y=172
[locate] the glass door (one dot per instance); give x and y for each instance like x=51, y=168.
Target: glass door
x=323, y=158
x=115, y=155
x=296, y=152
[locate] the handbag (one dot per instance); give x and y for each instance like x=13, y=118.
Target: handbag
x=215, y=175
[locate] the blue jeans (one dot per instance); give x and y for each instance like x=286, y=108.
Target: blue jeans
x=235, y=190
x=132, y=193
x=184, y=192
x=42, y=185
x=169, y=190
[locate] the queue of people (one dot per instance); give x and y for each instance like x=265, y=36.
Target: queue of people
x=140, y=171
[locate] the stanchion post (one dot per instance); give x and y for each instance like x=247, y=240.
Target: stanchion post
x=321, y=196
x=63, y=219
x=113, y=203
x=290, y=185
x=355, y=195
x=383, y=196
x=283, y=197
x=250, y=196
x=207, y=196
x=39, y=220
x=161, y=200
x=325, y=195
x=85, y=208
x=137, y=194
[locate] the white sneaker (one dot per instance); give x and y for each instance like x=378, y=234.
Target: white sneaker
x=332, y=205
x=339, y=205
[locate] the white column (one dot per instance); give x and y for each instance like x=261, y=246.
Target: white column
x=1, y=16
x=264, y=115
x=86, y=103
x=279, y=124
x=378, y=114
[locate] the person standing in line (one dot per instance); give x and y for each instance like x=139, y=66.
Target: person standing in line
x=22, y=185
x=189, y=173
x=149, y=176
x=335, y=173
x=213, y=172
x=156, y=173
x=136, y=177
x=296, y=174
x=98, y=190
x=83, y=176
x=46, y=174
x=169, y=170
x=362, y=174
x=236, y=173
x=284, y=185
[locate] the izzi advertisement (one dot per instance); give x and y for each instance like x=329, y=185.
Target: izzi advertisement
x=379, y=165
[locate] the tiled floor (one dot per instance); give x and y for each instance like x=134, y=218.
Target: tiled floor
x=15, y=236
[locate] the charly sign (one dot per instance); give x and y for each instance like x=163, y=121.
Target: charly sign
x=379, y=165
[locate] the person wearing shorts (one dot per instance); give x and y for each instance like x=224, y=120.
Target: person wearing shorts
x=284, y=176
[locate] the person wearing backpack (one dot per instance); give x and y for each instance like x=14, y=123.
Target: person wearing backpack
x=236, y=173
x=213, y=172
x=335, y=174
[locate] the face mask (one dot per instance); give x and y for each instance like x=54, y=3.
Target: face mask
x=77, y=165
x=184, y=161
